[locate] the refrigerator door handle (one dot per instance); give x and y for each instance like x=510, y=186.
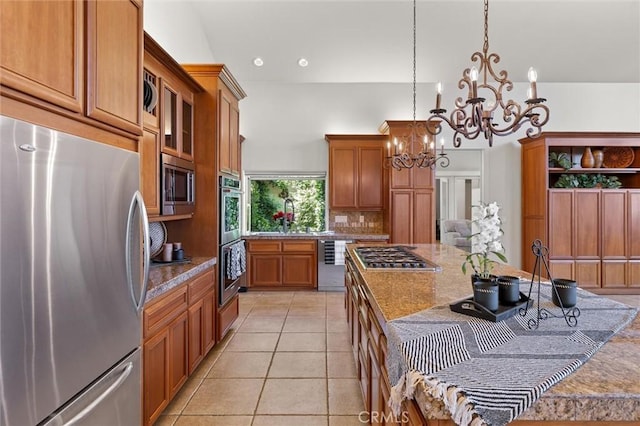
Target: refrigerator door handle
x=138, y=202
x=89, y=408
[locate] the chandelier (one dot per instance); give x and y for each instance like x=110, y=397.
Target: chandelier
x=475, y=115
x=401, y=154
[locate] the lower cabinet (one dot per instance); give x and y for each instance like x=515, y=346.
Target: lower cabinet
x=226, y=316
x=370, y=351
x=593, y=236
x=289, y=263
x=179, y=330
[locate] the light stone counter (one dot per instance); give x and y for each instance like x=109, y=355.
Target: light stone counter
x=163, y=278
x=606, y=388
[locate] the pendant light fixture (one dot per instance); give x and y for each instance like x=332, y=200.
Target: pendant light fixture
x=475, y=115
x=418, y=147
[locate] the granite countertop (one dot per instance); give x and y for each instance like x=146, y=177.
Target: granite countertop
x=606, y=388
x=163, y=278
x=315, y=236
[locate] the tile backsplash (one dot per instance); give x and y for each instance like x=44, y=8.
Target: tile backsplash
x=351, y=222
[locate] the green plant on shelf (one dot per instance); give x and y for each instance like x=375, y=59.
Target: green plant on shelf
x=560, y=159
x=587, y=181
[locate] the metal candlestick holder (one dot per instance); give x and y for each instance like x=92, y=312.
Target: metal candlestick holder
x=570, y=315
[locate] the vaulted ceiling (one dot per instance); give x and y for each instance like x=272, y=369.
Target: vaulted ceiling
x=351, y=41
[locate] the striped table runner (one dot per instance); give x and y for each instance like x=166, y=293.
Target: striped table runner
x=489, y=373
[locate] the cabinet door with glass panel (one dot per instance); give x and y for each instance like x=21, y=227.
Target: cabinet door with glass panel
x=177, y=122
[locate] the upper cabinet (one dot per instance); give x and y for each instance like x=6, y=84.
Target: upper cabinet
x=114, y=63
x=168, y=108
x=220, y=120
x=176, y=121
x=356, y=174
x=76, y=58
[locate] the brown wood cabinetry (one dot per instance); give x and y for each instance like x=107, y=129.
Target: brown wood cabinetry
x=226, y=316
x=223, y=116
x=356, y=174
x=149, y=150
x=229, y=142
x=179, y=330
x=169, y=125
x=114, y=63
x=369, y=348
x=287, y=263
x=592, y=233
x=410, y=218
x=164, y=350
x=200, y=233
x=84, y=58
x=411, y=215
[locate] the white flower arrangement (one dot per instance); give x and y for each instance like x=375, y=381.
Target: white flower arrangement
x=485, y=240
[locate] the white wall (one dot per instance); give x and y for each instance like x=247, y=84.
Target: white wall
x=170, y=24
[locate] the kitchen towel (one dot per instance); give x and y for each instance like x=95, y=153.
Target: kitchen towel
x=236, y=261
x=485, y=372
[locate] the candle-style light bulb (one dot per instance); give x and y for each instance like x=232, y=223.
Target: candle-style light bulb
x=431, y=146
x=533, y=77
x=442, y=145
x=474, y=74
x=438, y=94
x=388, y=149
x=395, y=146
x=474, y=82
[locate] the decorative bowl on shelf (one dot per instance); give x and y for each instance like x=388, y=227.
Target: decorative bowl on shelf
x=616, y=157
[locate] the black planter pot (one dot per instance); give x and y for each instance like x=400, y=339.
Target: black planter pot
x=485, y=293
x=476, y=278
x=509, y=289
x=567, y=290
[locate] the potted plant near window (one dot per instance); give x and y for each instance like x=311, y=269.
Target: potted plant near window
x=485, y=242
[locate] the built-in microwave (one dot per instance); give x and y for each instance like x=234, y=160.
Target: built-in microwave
x=178, y=186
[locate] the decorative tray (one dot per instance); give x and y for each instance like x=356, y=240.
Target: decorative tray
x=469, y=307
x=616, y=157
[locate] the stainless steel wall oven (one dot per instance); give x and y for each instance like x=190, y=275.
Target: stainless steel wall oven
x=231, y=260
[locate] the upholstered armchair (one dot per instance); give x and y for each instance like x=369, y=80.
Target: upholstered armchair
x=456, y=233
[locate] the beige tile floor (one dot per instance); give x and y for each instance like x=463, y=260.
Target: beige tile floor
x=287, y=361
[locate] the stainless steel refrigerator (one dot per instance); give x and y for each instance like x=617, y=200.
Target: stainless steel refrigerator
x=73, y=272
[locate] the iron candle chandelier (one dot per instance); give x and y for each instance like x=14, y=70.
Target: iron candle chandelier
x=400, y=155
x=474, y=116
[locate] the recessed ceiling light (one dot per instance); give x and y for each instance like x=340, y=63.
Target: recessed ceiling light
x=258, y=62
x=303, y=62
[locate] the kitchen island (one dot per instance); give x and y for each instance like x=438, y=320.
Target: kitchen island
x=605, y=389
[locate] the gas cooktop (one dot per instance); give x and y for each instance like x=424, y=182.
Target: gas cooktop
x=394, y=257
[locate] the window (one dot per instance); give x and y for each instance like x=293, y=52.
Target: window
x=267, y=195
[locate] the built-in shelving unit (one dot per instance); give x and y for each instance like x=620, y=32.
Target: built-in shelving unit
x=593, y=234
